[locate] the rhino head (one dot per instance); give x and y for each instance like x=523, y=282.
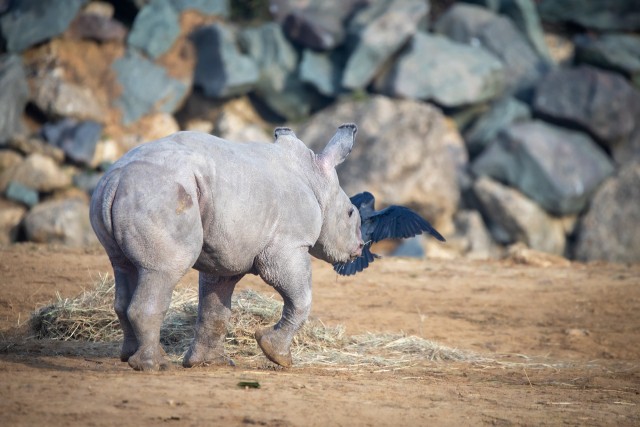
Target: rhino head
x=340, y=237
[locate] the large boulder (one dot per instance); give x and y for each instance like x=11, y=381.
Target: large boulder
x=19, y=193
x=524, y=15
x=278, y=86
x=512, y=217
x=96, y=22
x=38, y=172
x=8, y=159
x=476, y=25
x=558, y=168
x=618, y=52
x=146, y=88
x=14, y=94
x=486, y=127
x=11, y=215
x=322, y=70
x=609, y=231
x=35, y=144
x=449, y=73
x=605, y=15
x=57, y=97
x=471, y=239
x=239, y=121
x=601, y=102
x=316, y=25
x=220, y=8
x=380, y=30
x=63, y=221
x=222, y=70
x=77, y=139
x=156, y=28
x=28, y=22
x=401, y=154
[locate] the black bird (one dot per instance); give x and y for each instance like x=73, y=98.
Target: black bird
x=394, y=222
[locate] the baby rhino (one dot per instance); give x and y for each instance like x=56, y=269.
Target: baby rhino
x=192, y=200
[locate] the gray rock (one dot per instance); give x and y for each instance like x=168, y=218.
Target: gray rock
x=630, y=151
x=512, y=217
x=21, y=194
x=609, y=231
x=410, y=248
x=14, y=94
x=319, y=25
x=449, y=73
x=78, y=140
x=33, y=144
x=486, y=127
x=278, y=86
x=478, y=26
x=239, y=121
x=472, y=236
x=492, y=5
x=525, y=16
x=381, y=36
x=420, y=172
x=222, y=70
x=60, y=221
x=146, y=88
x=156, y=28
x=38, y=172
x=617, y=52
x=600, y=102
x=207, y=7
x=11, y=215
x=607, y=15
x=87, y=180
x=558, y=168
x=9, y=159
x=322, y=70
x=59, y=98
x=28, y=22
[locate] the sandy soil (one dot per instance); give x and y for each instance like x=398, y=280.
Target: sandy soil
x=566, y=340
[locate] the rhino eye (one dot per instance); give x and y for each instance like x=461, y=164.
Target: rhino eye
x=350, y=212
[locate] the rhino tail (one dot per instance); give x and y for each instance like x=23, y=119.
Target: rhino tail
x=102, y=205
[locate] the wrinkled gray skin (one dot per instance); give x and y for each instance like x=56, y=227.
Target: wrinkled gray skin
x=225, y=209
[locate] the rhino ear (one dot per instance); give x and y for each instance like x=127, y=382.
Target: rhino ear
x=338, y=147
x=281, y=131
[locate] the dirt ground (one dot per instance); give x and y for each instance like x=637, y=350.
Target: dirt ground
x=565, y=340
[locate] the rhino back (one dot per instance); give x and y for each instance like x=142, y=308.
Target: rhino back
x=211, y=203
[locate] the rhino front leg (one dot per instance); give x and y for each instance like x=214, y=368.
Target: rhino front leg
x=290, y=275
x=146, y=312
x=214, y=310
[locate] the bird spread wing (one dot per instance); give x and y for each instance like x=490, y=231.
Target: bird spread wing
x=361, y=198
x=398, y=222
x=357, y=265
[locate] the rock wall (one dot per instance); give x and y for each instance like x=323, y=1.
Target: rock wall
x=502, y=122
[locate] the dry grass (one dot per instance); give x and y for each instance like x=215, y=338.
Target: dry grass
x=90, y=317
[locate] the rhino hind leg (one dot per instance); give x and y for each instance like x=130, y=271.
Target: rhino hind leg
x=146, y=311
x=214, y=311
x=291, y=277
x=126, y=278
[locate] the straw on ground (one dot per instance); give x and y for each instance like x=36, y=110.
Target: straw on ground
x=90, y=317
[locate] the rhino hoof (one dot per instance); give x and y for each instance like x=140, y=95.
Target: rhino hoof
x=149, y=360
x=191, y=361
x=129, y=348
x=269, y=348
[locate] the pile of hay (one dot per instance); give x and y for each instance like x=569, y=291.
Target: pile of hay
x=90, y=317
